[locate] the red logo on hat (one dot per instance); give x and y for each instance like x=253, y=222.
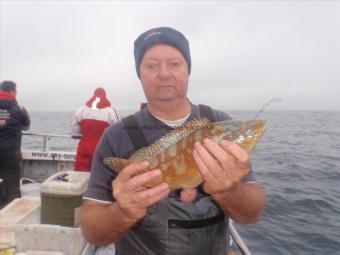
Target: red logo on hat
x=152, y=33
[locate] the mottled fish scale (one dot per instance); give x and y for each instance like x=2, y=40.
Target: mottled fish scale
x=171, y=138
x=179, y=166
x=172, y=153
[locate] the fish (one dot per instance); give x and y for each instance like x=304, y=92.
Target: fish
x=172, y=153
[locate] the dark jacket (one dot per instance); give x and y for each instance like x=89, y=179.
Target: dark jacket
x=13, y=119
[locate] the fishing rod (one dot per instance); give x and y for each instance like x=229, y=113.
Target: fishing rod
x=265, y=106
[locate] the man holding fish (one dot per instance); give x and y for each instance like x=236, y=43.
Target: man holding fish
x=171, y=190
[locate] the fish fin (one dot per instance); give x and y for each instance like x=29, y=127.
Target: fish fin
x=116, y=164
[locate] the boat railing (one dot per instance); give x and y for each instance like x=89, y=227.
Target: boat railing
x=236, y=238
x=46, y=137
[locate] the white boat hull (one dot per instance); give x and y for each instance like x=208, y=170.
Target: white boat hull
x=39, y=165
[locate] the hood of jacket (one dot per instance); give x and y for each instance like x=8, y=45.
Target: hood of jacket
x=7, y=100
x=98, y=100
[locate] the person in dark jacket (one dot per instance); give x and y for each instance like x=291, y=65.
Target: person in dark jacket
x=13, y=119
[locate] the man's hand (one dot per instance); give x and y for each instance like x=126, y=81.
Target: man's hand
x=132, y=197
x=222, y=166
x=188, y=194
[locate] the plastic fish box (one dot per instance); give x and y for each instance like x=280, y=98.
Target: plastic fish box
x=46, y=237
x=61, y=197
x=20, y=209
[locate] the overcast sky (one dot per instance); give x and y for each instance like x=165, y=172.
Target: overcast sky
x=244, y=53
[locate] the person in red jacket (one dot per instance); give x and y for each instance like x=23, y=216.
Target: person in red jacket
x=90, y=121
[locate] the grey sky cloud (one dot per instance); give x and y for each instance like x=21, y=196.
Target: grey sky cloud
x=244, y=53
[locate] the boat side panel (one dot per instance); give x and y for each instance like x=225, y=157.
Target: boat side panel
x=39, y=170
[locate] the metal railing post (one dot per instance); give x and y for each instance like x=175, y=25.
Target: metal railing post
x=45, y=143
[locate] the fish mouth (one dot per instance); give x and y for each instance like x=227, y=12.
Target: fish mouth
x=249, y=132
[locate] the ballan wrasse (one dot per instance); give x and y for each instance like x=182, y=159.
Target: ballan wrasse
x=172, y=153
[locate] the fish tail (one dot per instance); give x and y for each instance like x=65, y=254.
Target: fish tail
x=116, y=164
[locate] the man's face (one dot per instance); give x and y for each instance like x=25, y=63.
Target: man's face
x=164, y=73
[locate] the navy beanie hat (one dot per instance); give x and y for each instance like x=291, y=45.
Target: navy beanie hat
x=161, y=35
